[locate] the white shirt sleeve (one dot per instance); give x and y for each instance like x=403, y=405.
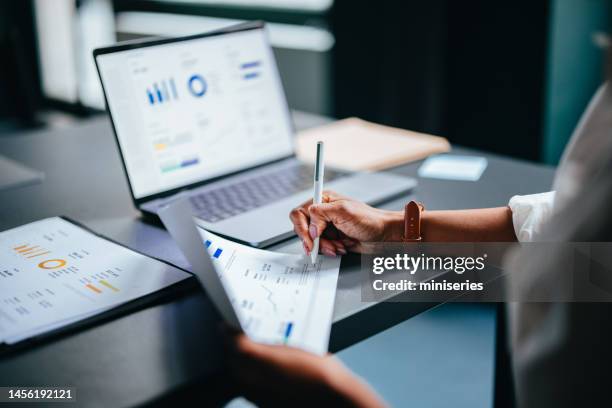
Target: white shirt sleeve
x=530, y=213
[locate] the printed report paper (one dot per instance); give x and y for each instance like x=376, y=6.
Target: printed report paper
x=277, y=298
x=53, y=273
x=280, y=298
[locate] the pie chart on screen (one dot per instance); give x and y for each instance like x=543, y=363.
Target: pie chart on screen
x=197, y=85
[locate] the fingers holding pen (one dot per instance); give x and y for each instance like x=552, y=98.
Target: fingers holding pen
x=300, y=219
x=320, y=218
x=311, y=221
x=327, y=247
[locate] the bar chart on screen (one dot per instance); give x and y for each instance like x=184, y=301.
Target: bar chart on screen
x=163, y=91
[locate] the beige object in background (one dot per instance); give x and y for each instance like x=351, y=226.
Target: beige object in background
x=355, y=144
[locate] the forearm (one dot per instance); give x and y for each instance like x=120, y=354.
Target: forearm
x=477, y=225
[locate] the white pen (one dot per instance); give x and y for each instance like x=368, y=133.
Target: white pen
x=319, y=172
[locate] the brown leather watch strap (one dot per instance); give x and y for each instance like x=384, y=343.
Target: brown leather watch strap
x=412, y=221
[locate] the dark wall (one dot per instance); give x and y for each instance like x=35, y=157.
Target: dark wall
x=496, y=75
x=389, y=62
x=471, y=71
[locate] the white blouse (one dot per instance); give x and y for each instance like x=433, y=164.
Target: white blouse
x=583, y=157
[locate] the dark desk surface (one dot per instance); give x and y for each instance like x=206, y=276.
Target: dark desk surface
x=139, y=357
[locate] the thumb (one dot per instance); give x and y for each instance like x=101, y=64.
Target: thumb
x=320, y=216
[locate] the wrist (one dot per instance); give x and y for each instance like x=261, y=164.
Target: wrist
x=393, y=226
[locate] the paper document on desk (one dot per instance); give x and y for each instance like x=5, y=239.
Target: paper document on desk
x=53, y=273
x=277, y=298
x=355, y=144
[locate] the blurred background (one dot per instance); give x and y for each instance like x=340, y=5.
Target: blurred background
x=506, y=77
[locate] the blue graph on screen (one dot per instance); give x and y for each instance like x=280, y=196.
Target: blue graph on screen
x=197, y=85
x=162, y=91
x=250, y=70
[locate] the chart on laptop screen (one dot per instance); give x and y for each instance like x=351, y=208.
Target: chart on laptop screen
x=191, y=110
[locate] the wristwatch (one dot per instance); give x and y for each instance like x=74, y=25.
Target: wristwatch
x=412, y=221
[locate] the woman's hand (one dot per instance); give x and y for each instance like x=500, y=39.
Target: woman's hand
x=282, y=376
x=344, y=224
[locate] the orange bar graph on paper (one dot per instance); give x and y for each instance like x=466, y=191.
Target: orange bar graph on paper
x=30, y=251
x=93, y=288
x=27, y=249
x=33, y=255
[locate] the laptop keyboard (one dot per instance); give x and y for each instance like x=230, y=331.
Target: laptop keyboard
x=227, y=201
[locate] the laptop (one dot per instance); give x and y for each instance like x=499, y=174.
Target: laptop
x=205, y=117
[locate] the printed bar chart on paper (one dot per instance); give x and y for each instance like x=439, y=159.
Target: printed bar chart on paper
x=53, y=271
x=279, y=298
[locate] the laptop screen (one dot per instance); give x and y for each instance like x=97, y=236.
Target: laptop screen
x=195, y=109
